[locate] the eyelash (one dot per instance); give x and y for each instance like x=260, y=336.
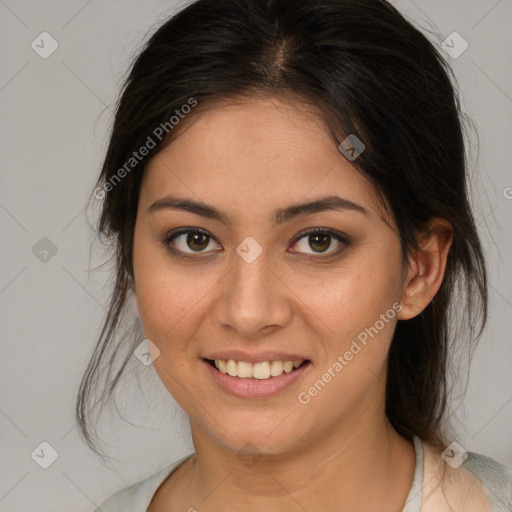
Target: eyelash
x=343, y=239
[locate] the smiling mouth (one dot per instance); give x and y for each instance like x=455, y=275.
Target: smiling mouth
x=263, y=371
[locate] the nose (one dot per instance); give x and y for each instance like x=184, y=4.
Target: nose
x=254, y=300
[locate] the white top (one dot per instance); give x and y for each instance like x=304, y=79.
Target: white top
x=479, y=484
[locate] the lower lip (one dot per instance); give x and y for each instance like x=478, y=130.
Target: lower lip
x=256, y=388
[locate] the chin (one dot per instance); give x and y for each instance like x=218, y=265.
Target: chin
x=258, y=439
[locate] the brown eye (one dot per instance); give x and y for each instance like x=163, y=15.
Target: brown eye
x=188, y=242
x=197, y=241
x=319, y=241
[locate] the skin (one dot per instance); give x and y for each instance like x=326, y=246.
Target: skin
x=339, y=451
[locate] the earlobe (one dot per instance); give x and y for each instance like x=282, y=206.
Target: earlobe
x=426, y=268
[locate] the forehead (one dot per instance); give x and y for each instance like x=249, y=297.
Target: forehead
x=251, y=155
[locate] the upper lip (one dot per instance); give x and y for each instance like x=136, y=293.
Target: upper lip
x=239, y=355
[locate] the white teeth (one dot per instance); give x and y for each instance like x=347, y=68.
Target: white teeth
x=276, y=368
x=288, y=366
x=232, y=368
x=263, y=370
x=221, y=365
x=244, y=369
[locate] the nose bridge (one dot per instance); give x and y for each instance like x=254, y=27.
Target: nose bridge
x=253, y=298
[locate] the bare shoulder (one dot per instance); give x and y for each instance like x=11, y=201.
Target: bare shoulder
x=474, y=484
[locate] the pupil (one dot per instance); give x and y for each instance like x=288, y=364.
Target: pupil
x=192, y=239
x=326, y=239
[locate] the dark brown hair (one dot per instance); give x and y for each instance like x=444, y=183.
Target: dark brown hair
x=368, y=72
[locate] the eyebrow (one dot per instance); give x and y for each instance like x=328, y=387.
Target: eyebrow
x=279, y=215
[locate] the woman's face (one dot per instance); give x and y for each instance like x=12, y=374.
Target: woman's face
x=255, y=286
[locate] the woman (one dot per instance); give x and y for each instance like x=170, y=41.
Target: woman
x=285, y=189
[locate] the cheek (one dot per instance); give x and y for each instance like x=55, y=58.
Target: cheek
x=353, y=296
x=354, y=307
x=347, y=316
x=172, y=299
x=162, y=295
x=167, y=303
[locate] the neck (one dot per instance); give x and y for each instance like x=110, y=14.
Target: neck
x=346, y=468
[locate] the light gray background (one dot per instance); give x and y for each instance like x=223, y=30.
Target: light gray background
x=53, y=139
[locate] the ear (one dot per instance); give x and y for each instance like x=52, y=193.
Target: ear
x=426, y=268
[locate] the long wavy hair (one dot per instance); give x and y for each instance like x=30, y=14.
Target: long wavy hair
x=367, y=71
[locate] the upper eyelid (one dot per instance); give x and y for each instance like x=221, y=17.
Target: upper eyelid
x=339, y=236
x=300, y=234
